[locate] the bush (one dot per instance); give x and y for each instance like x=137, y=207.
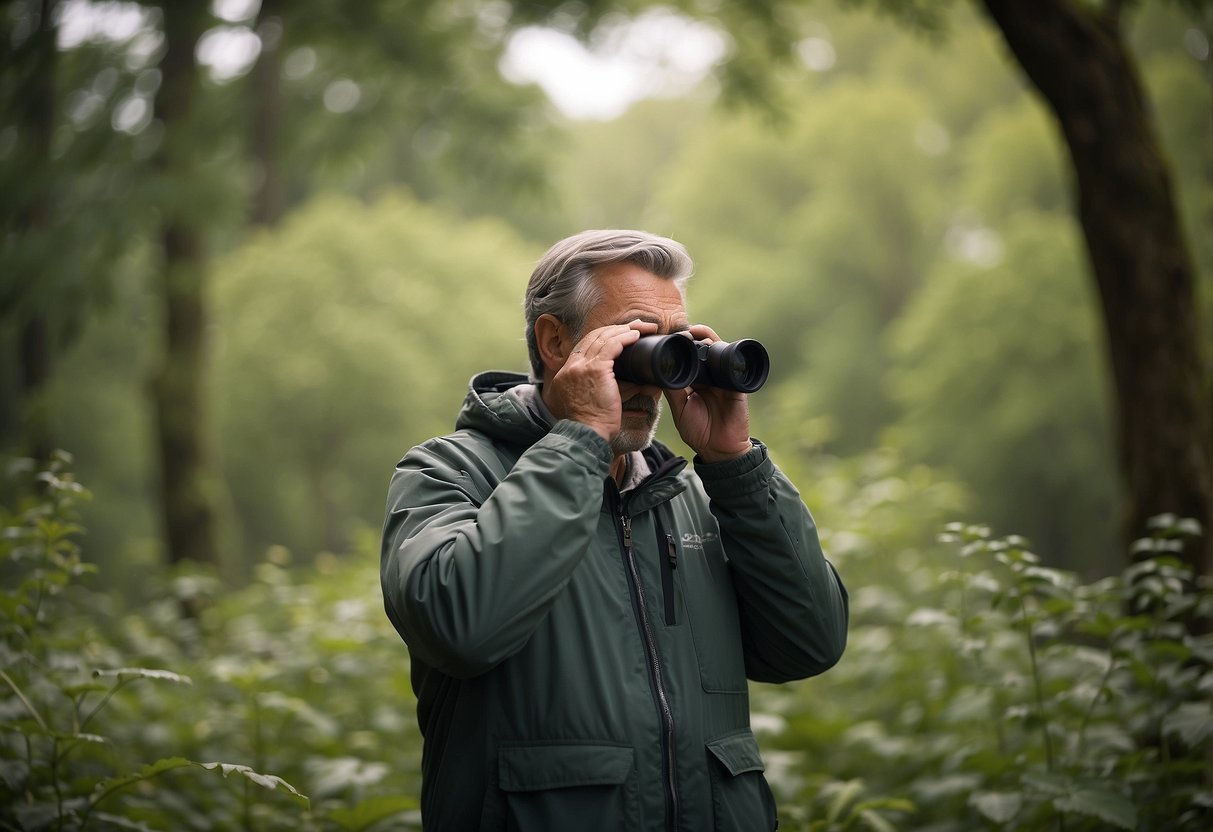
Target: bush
x=1015, y=698
x=295, y=677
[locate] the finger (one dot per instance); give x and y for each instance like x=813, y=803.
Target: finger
x=608, y=341
x=592, y=340
x=614, y=345
x=703, y=332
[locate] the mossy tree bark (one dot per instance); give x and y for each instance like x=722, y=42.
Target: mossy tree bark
x=1076, y=57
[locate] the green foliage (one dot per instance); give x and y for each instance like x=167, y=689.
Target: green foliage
x=53, y=763
x=343, y=338
x=92, y=742
x=997, y=369
x=1007, y=695
x=824, y=255
x=1117, y=682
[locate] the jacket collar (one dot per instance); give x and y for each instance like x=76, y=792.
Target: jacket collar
x=497, y=405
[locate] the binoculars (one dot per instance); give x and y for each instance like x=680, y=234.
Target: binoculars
x=673, y=362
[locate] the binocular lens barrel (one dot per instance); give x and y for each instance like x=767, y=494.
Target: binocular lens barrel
x=668, y=361
x=673, y=362
x=741, y=365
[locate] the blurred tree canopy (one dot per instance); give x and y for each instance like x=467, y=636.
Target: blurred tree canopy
x=893, y=217
x=345, y=337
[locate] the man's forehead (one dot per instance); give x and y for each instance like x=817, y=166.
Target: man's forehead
x=630, y=292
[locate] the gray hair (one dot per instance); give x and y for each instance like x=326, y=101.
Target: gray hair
x=563, y=282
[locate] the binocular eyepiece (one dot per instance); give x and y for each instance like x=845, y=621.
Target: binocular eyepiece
x=673, y=362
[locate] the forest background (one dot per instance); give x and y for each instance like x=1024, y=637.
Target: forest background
x=237, y=285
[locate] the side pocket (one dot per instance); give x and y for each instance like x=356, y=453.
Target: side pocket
x=740, y=794
x=586, y=787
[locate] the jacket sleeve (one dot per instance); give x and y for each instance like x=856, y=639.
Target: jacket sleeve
x=466, y=583
x=793, y=605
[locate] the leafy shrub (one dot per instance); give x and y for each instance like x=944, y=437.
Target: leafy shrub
x=1017, y=698
x=98, y=734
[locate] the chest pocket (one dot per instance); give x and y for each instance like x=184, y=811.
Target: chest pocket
x=711, y=606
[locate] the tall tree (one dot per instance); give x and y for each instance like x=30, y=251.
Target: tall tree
x=35, y=124
x=1076, y=56
x=178, y=389
x=267, y=117
x=63, y=169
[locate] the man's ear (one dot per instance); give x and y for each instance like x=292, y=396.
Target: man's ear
x=554, y=342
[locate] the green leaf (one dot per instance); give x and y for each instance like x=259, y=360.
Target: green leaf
x=1162, y=522
x=124, y=673
x=120, y=822
x=845, y=793
x=96, y=738
x=999, y=807
x=369, y=812
x=1192, y=722
x=1049, y=784
x=1109, y=806
x=268, y=781
x=13, y=772
x=107, y=787
x=1189, y=526
x=874, y=821
x=1042, y=574
x=896, y=804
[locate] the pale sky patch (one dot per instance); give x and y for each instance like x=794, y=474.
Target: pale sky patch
x=657, y=54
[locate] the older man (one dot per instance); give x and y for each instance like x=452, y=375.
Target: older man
x=583, y=611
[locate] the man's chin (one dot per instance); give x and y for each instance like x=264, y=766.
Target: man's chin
x=634, y=439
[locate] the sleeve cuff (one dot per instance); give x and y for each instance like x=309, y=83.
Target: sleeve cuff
x=748, y=473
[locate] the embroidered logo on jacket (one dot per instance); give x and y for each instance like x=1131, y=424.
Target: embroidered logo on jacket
x=691, y=540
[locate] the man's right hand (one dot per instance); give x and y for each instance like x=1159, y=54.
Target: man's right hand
x=585, y=389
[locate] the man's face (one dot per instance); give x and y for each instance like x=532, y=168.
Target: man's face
x=631, y=292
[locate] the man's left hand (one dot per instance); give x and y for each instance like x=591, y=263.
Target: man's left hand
x=715, y=423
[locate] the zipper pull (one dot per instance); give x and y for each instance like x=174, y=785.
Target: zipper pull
x=627, y=531
x=671, y=551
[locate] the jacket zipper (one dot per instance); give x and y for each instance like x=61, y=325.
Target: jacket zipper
x=655, y=675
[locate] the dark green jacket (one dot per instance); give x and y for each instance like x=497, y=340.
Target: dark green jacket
x=580, y=658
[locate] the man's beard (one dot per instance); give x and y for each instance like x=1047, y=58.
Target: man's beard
x=637, y=439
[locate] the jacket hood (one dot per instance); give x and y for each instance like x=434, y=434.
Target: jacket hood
x=492, y=409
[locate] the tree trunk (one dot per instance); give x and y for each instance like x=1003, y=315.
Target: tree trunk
x=35, y=343
x=33, y=376
x=267, y=115
x=1076, y=58
x=178, y=386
